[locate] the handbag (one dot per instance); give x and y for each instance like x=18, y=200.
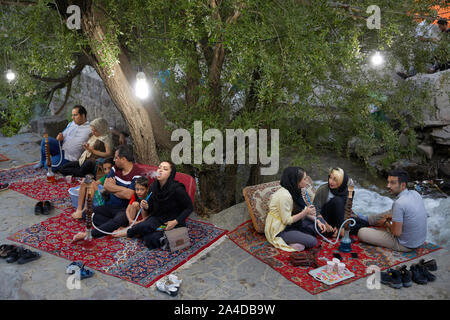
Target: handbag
x=175, y=239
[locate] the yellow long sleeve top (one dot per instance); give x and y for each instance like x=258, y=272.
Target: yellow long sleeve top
x=279, y=216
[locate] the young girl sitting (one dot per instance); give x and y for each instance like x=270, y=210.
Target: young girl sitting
x=137, y=201
x=106, y=167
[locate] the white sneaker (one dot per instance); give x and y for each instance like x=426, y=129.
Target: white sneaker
x=173, y=279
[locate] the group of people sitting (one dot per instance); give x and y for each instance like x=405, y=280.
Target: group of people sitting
x=293, y=225
x=125, y=187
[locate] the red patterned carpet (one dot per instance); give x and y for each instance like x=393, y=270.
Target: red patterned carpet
x=4, y=158
x=127, y=259
x=256, y=244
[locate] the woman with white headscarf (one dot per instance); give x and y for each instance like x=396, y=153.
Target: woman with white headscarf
x=99, y=145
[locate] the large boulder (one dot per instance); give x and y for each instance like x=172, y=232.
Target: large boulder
x=50, y=124
x=441, y=135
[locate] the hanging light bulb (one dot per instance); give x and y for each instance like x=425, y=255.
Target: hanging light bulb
x=377, y=59
x=10, y=75
x=142, y=89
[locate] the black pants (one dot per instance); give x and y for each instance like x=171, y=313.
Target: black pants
x=108, y=219
x=73, y=168
x=147, y=230
x=334, y=213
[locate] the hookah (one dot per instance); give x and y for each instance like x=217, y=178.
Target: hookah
x=50, y=175
x=88, y=243
x=348, y=222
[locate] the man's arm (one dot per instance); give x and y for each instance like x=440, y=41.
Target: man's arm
x=120, y=192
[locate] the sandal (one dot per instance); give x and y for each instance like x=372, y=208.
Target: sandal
x=73, y=267
x=14, y=255
x=85, y=273
x=170, y=289
x=27, y=255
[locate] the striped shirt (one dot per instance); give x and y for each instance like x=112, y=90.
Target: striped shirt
x=127, y=181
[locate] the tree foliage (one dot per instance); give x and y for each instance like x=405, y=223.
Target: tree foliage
x=297, y=66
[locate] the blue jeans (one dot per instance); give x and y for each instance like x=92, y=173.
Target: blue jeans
x=55, y=153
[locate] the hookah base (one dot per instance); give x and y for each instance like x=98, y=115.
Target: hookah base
x=345, y=247
x=87, y=244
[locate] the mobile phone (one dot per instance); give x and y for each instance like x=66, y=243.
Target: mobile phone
x=354, y=255
x=337, y=256
x=161, y=227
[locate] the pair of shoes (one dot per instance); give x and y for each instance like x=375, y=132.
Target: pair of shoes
x=77, y=266
x=171, y=285
x=406, y=276
x=6, y=249
x=42, y=207
x=4, y=186
x=22, y=255
x=421, y=275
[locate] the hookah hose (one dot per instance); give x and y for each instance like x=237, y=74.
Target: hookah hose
x=352, y=223
x=113, y=233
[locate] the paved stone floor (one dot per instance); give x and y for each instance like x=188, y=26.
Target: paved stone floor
x=224, y=272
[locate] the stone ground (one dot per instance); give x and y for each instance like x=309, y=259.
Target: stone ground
x=225, y=272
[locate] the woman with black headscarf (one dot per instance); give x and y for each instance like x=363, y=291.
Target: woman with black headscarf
x=330, y=201
x=283, y=229
x=168, y=205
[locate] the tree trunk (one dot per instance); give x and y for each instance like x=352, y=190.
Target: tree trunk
x=217, y=188
x=115, y=78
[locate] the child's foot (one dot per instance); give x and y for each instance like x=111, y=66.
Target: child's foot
x=78, y=214
x=79, y=236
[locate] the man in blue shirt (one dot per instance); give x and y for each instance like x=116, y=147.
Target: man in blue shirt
x=408, y=228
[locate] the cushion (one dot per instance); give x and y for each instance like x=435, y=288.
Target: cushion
x=187, y=180
x=258, y=197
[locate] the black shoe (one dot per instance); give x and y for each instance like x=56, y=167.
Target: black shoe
x=417, y=275
x=46, y=207
x=27, y=256
x=431, y=265
x=430, y=277
x=406, y=276
x=14, y=255
x=392, y=278
x=39, y=208
x=4, y=186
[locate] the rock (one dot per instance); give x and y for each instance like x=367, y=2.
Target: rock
x=426, y=150
x=439, y=113
x=444, y=168
x=50, y=124
x=403, y=140
x=441, y=135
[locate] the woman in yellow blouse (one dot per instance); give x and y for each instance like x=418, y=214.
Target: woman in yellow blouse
x=286, y=227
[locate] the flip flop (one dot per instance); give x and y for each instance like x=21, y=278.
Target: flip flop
x=39, y=208
x=47, y=206
x=85, y=273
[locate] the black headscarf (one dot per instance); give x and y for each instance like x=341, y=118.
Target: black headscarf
x=289, y=180
x=342, y=190
x=169, y=188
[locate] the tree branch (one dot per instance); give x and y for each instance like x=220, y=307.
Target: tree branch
x=81, y=63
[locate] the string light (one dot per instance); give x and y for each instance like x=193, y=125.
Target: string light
x=377, y=59
x=10, y=75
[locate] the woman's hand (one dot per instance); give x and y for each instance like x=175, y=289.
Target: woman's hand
x=321, y=226
x=144, y=205
x=171, y=224
x=310, y=210
x=87, y=147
